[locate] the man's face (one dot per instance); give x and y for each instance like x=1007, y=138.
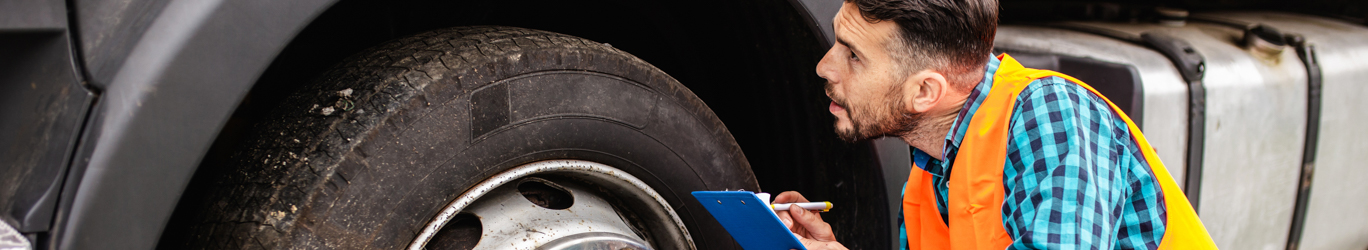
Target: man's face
x=863, y=80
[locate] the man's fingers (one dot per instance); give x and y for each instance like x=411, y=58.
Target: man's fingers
x=813, y=224
x=789, y=197
x=810, y=213
x=785, y=218
x=788, y=222
x=811, y=239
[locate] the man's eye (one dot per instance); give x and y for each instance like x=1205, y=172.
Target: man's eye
x=854, y=57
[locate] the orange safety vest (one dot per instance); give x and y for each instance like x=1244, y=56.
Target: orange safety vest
x=976, y=187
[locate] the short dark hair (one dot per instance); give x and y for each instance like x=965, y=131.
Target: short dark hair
x=954, y=36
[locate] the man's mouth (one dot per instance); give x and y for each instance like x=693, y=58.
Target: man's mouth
x=836, y=107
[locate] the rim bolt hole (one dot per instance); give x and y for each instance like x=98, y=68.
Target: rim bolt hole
x=462, y=233
x=539, y=192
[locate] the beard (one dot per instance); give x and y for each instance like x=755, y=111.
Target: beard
x=885, y=117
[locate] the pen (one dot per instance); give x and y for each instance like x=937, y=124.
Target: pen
x=820, y=206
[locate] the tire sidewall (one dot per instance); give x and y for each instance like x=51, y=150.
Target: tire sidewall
x=440, y=142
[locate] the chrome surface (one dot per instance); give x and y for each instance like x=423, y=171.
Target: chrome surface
x=1336, y=218
x=10, y=239
x=669, y=234
x=596, y=241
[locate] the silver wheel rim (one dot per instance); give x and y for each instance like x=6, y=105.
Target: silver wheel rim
x=675, y=235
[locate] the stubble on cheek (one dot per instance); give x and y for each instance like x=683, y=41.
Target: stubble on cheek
x=878, y=118
x=894, y=120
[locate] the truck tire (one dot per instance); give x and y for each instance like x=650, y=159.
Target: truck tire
x=376, y=149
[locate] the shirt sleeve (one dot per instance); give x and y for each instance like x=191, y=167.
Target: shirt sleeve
x=1072, y=178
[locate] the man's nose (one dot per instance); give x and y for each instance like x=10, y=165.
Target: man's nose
x=826, y=69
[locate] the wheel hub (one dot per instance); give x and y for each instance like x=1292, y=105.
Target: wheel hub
x=515, y=211
x=512, y=220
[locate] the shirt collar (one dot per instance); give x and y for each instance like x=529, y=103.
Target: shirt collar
x=956, y=133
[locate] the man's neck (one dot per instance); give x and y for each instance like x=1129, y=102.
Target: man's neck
x=929, y=135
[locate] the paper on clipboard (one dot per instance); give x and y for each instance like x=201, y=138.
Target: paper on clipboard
x=748, y=219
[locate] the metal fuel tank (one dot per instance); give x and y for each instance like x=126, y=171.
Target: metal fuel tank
x=1226, y=99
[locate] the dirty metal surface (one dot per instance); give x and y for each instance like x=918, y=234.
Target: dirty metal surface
x=607, y=176
x=511, y=221
x=595, y=241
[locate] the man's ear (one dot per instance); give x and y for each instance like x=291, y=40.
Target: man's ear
x=924, y=90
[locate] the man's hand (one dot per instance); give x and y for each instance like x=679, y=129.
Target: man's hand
x=808, y=226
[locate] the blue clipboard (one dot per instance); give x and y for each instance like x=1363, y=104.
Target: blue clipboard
x=748, y=220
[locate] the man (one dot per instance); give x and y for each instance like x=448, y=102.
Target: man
x=1006, y=157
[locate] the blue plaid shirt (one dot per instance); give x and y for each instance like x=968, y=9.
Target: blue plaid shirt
x=1074, y=177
